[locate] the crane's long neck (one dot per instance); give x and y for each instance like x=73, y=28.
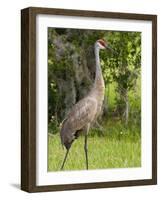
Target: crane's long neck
x=99, y=82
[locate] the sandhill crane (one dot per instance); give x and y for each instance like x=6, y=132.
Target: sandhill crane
x=85, y=111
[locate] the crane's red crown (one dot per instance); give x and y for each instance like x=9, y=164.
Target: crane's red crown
x=102, y=42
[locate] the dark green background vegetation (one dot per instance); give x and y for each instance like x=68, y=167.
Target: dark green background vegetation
x=71, y=72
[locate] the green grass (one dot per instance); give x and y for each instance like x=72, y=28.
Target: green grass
x=117, y=147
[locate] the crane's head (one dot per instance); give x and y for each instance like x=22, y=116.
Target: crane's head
x=102, y=44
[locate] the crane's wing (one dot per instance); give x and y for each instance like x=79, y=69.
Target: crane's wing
x=81, y=114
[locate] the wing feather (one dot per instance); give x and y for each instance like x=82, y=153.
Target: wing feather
x=82, y=113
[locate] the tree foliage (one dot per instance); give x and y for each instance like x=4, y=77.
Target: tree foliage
x=123, y=65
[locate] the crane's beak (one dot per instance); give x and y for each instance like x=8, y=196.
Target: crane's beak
x=113, y=51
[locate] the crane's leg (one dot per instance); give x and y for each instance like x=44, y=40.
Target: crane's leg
x=64, y=159
x=86, y=145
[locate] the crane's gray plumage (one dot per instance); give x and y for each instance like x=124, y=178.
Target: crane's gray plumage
x=86, y=110
x=81, y=114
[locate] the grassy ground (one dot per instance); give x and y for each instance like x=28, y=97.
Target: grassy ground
x=117, y=147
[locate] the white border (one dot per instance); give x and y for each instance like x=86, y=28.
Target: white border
x=43, y=177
